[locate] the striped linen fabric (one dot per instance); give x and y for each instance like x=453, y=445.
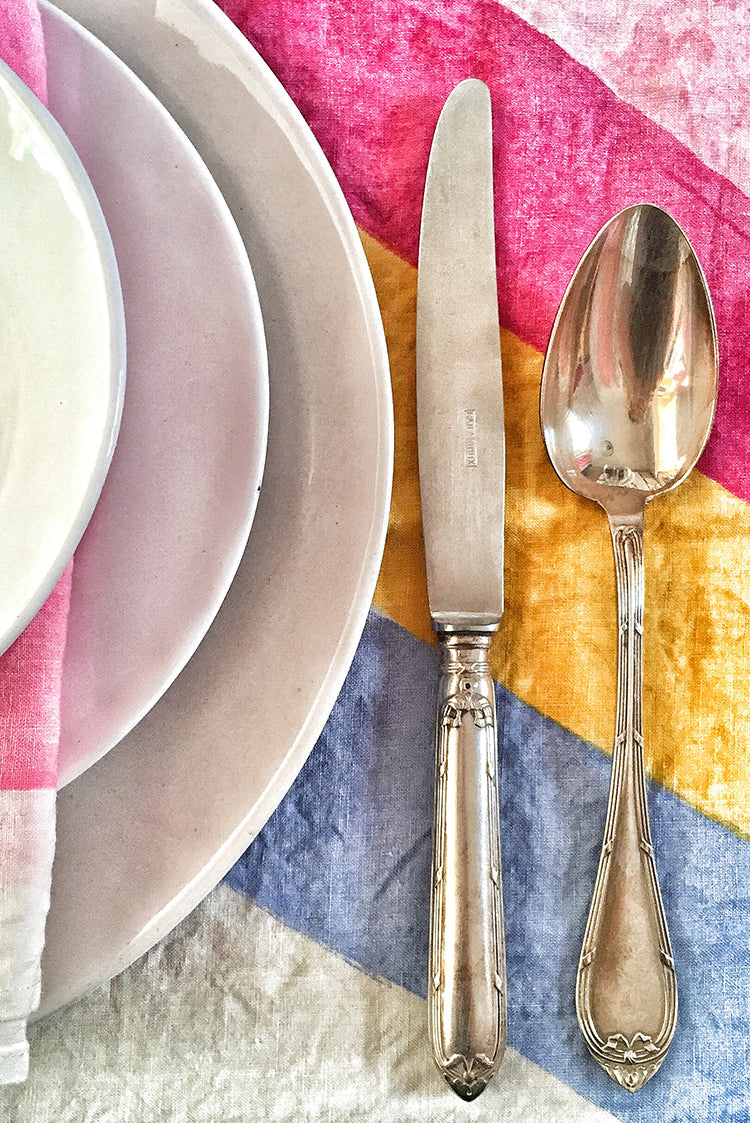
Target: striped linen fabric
x=587, y=120
x=296, y=991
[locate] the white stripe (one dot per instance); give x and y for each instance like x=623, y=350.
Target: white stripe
x=235, y=1017
x=27, y=845
x=687, y=67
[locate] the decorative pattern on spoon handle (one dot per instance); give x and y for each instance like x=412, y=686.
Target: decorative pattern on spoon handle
x=466, y=991
x=626, y=992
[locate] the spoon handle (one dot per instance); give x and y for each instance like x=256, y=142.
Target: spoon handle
x=626, y=993
x=466, y=982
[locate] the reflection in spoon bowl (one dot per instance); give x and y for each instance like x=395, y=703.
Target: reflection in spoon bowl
x=630, y=374
x=627, y=403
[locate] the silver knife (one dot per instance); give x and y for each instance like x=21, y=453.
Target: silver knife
x=462, y=482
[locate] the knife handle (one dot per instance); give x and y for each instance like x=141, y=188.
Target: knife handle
x=466, y=986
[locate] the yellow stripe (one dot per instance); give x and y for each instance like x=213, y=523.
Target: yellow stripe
x=556, y=649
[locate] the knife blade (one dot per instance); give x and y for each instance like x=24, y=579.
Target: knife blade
x=461, y=445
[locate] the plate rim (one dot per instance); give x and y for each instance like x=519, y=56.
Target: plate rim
x=328, y=190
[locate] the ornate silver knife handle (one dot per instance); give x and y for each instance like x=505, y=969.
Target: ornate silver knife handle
x=466, y=988
x=626, y=992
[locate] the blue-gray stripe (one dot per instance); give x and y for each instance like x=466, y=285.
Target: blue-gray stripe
x=345, y=859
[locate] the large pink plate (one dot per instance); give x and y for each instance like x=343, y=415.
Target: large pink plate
x=147, y=831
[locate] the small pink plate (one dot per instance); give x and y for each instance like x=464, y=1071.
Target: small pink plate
x=174, y=515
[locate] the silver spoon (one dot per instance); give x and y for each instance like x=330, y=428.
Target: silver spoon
x=627, y=403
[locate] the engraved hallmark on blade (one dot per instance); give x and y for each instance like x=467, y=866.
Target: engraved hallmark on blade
x=471, y=450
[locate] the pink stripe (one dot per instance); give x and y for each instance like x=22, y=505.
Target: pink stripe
x=22, y=43
x=30, y=688
x=31, y=669
x=569, y=155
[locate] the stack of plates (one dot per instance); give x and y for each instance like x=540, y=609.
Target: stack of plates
x=223, y=582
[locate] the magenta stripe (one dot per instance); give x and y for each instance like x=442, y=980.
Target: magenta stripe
x=30, y=686
x=569, y=154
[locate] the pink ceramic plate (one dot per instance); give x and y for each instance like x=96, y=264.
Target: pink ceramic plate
x=151, y=828
x=176, y=509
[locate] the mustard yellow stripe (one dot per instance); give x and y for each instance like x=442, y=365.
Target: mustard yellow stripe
x=556, y=649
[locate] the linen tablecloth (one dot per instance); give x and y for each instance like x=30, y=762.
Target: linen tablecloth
x=296, y=990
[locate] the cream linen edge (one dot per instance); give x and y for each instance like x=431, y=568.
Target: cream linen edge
x=235, y=1017
x=27, y=846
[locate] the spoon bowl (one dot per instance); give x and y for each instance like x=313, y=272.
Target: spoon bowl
x=630, y=375
x=627, y=402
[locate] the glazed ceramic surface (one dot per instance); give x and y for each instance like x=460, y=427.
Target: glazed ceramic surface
x=148, y=831
x=62, y=351
x=170, y=528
